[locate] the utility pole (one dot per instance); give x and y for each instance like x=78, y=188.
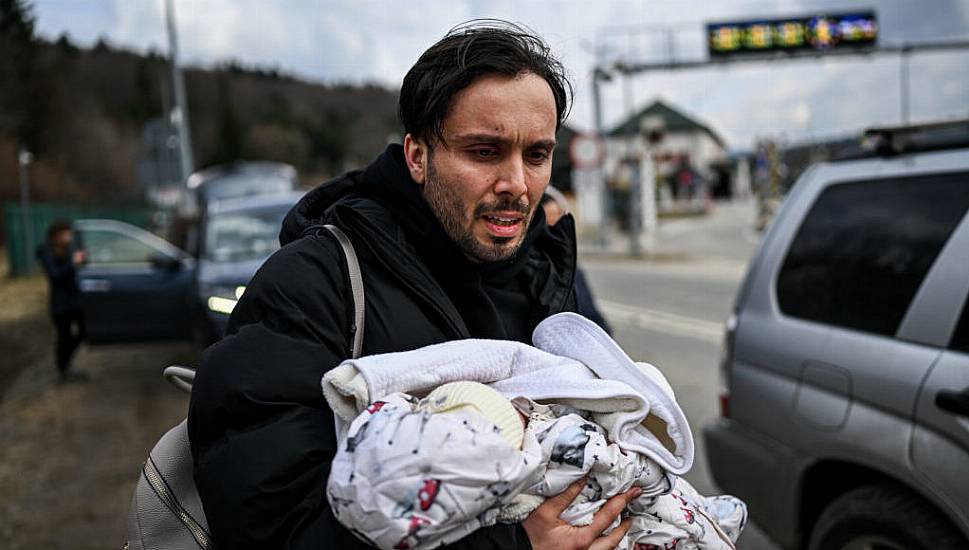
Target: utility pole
x=180, y=112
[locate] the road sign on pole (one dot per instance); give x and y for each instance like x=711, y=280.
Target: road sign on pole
x=586, y=151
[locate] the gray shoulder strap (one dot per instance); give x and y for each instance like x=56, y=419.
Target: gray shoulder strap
x=356, y=287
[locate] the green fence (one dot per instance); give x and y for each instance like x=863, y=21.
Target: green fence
x=39, y=215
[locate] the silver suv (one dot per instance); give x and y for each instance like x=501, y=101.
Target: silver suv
x=845, y=408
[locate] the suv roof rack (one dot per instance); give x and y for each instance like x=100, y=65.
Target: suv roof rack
x=912, y=138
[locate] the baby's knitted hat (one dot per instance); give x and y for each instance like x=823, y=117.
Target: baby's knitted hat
x=477, y=398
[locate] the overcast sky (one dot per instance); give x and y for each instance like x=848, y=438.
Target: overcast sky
x=378, y=40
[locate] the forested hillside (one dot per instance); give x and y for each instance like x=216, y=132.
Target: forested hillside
x=81, y=112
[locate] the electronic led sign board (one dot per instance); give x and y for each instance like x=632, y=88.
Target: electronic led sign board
x=795, y=34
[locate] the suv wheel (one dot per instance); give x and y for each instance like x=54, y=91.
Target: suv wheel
x=883, y=517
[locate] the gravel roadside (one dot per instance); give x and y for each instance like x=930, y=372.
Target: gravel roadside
x=24, y=322
x=71, y=453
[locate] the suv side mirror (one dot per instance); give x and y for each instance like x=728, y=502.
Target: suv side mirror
x=192, y=245
x=164, y=262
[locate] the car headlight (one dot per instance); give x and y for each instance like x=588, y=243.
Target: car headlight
x=221, y=298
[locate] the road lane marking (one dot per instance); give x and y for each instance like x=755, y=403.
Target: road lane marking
x=719, y=269
x=663, y=321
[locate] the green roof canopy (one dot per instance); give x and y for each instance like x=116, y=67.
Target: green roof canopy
x=675, y=121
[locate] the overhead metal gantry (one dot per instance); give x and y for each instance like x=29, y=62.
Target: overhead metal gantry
x=904, y=50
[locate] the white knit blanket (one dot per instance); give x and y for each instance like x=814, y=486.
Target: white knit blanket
x=573, y=362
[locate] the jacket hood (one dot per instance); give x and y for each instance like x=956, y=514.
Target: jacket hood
x=310, y=211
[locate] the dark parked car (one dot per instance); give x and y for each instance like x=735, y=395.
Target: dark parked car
x=136, y=286
x=845, y=415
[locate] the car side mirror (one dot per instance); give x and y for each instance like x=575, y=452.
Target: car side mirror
x=164, y=262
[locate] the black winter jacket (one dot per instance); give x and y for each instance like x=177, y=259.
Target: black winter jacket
x=262, y=435
x=65, y=297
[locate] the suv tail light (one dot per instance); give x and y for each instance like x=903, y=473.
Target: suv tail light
x=726, y=359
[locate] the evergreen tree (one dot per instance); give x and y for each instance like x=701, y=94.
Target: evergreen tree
x=65, y=46
x=228, y=148
x=145, y=103
x=16, y=67
x=17, y=21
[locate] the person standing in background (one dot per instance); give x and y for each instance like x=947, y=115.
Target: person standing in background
x=60, y=259
x=556, y=205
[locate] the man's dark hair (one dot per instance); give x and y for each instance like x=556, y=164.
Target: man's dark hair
x=56, y=227
x=468, y=51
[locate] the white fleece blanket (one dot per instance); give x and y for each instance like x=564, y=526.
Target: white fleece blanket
x=574, y=362
x=409, y=476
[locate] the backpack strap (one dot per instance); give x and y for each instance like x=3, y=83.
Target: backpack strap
x=180, y=377
x=356, y=287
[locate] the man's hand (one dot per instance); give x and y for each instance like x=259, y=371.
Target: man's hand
x=547, y=531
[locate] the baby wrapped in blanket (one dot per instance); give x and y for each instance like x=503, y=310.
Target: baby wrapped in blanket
x=417, y=473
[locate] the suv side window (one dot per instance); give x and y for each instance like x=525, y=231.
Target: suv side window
x=960, y=338
x=864, y=248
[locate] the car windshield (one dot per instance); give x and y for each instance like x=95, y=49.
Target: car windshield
x=240, y=236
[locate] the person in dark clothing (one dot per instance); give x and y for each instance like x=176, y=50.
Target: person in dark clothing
x=451, y=245
x=555, y=206
x=60, y=259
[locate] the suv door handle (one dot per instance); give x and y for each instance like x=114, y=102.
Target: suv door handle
x=95, y=285
x=953, y=402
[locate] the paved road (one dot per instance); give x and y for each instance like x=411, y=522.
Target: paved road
x=670, y=312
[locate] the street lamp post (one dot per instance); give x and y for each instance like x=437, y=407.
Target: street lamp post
x=904, y=55
x=653, y=129
x=642, y=203
x=179, y=115
x=633, y=160
x=24, y=159
x=599, y=75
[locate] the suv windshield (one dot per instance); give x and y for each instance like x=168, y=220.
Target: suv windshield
x=243, y=184
x=245, y=235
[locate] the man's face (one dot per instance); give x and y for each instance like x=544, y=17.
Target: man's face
x=485, y=180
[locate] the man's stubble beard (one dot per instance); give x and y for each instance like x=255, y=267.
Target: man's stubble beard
x=450, y=213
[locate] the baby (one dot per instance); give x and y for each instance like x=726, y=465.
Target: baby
x=418, y=473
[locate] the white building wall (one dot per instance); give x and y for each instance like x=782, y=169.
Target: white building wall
x=702, y=149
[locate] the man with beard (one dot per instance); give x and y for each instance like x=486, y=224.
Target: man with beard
x=452, y=245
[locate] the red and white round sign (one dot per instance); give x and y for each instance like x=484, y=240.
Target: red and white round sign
x=586, y=151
